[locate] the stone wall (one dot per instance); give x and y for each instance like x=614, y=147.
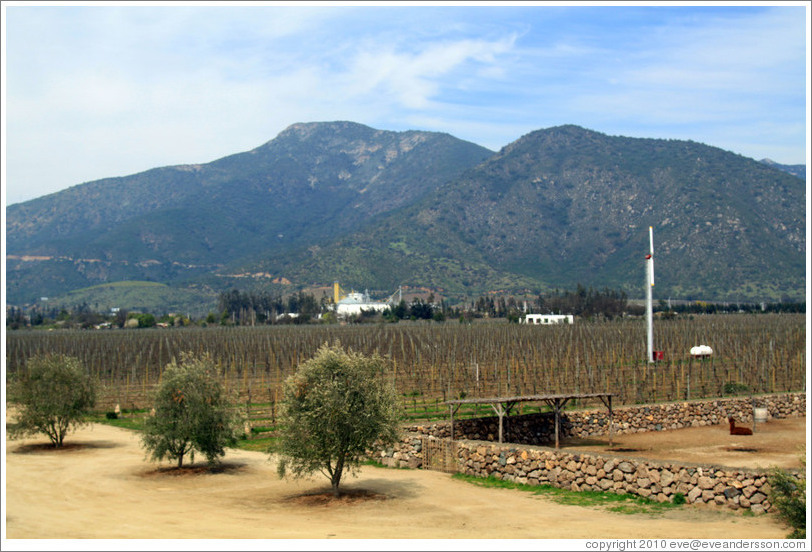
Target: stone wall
x=734, y=488
x=538, y=429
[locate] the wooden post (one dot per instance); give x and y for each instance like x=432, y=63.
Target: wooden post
x=558, y=404
x=497, y=407
x=501, y=414
x=557, y=413
x=607, y=402
x=753, y=405
x=611, y=422
x=451, y=410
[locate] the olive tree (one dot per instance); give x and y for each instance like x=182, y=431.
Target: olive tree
x=53, y=395
x=192, y=412
x=335, y=407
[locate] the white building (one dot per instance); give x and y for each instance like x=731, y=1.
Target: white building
x=354, y=303
x=547, y=319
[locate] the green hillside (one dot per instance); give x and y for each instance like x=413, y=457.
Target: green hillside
x=567, y=205
x=378, y=209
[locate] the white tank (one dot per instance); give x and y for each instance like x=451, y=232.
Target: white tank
x=701, y=350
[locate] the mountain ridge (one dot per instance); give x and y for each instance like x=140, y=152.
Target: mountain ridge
x=376, y=208
x=555, y=207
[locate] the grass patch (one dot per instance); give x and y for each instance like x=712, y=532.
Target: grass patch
x=263, y=429
x=134, y=420
x=619, y=503
x=376, y=464
x=419, y=409
x=263, y=444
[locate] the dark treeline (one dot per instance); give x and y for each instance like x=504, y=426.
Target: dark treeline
x=703, y=307
x=250, y=308
x=584, y=302
x=83, y=317
x=418, y=309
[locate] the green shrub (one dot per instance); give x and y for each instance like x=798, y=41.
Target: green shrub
x=788, y=495
x=193, y=412
x=335, y=407
x=678, y=499
x=111, y=415
x=735, y=388
x=54, y=394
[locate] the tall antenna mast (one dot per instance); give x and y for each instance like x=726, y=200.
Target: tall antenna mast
x=649, y=288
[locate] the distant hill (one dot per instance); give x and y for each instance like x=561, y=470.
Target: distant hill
x=311, y=183
x=566, y=205
x=376, y=209
x=795, y=170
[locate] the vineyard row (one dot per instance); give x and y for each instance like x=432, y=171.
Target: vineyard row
x=759, y=353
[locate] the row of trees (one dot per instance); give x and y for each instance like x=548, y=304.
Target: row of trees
x=704, y=307
x=82, y=317
x=335, y=407
x=248, y=308
x=251, y=308
x=582, y=301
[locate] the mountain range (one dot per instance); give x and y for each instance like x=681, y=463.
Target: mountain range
x=379, y=209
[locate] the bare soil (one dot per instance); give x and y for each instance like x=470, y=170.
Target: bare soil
x=101, y=487
x=775, y=443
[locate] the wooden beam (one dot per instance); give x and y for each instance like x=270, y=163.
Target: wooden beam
x=557, y=413
x=557, y=404
x=497, y=407
x=607, y=402
x=453, y=410
x=611, y=421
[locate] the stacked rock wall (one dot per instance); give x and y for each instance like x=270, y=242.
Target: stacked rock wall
x=734, y=488
x=538, y=429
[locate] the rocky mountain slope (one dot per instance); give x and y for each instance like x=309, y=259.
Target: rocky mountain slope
x=567, y=205
x=378, y=209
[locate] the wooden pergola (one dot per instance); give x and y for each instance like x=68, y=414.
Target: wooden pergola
x=503, y=405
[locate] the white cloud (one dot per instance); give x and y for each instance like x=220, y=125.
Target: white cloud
x=414, y=79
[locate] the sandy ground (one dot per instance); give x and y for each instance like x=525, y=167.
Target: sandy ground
x=774, y=443
x=101, y=487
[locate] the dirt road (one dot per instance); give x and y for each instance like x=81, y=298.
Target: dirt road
x=102, y=488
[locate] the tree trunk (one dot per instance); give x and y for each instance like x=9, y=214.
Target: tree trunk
x=180, y=460
x=336, y=479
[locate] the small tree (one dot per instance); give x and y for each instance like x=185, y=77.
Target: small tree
x=788, y=495
x=192, y=413
x=335, y=407
x=54, y=394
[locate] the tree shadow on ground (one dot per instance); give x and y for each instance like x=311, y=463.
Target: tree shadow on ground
x=194, y=470
x=326, y=497
x=73, y=446
x=370, y=490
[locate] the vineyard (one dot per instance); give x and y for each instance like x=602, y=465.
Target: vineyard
x=430, y=362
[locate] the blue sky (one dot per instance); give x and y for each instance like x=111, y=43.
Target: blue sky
x=111, y=90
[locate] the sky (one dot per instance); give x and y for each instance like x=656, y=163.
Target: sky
x=111, y=89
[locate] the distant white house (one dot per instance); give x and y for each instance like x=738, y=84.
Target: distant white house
x=354, y=303
x=548, y=319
